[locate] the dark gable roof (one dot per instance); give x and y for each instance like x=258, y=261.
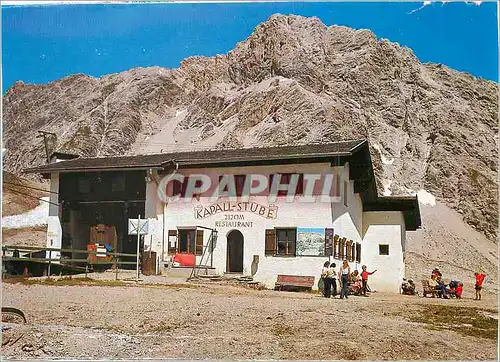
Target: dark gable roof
x=406, y=204
x=213, y=157
x=355, y=152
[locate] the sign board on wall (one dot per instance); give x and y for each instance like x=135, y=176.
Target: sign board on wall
x=172, y=240
x=310, y=242
x=329, y=242
x=268, y=212
x=136, y=226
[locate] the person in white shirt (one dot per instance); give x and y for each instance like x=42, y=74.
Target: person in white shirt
x=344, y=274
x=333, y=276
x=327, y=281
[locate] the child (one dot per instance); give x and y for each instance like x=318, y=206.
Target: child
x=364, y=278
x=460, y=289
x=479, y=284
x=356, y=286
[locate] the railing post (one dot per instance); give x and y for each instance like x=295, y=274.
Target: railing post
x=116, y=267
x=48, y=269
x=138, y=243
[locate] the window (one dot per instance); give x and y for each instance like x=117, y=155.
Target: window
x=83, y=185
x=286, y=239
x=179, y=188
x=285, y=180
x=118, y=184
x=383, y=249
x=187, y=242
x=239, y=183
x=280, y=242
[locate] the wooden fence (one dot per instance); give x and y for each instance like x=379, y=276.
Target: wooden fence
x=65, y=261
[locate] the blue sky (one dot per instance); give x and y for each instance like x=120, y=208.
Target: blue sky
x=44, y=43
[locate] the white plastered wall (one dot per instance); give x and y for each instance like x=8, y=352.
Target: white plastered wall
x=346, y=222
x=54, y=229
x=384, y=227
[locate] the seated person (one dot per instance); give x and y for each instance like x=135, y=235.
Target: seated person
x=355, y=281
x=441, y=288
x=408, y=287
x=453, y=287
x=436, y=273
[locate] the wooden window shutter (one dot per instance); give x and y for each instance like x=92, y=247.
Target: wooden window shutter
x=328, y=242
x=358, y=252
x=300, y=185
x=199, y=242
x=353, y=250
x=172, y=249
x=346, y=192
x=336, y=247
x=342, y=248
x=337, y=185
x=348, y=250
x=270, y=242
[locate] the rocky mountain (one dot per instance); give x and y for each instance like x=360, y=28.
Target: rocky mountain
x=293, y=81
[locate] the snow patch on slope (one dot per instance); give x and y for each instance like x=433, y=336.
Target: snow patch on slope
x=37, y=217
x=387, y=187
x=385, y=160
x=424, y=197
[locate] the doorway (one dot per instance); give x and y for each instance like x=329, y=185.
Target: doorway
x=234, y=252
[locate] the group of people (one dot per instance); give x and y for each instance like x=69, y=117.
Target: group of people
x=436, y=282
x=454, y=288
x=355, y=282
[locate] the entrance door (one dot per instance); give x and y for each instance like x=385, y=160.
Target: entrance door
x=235, y=252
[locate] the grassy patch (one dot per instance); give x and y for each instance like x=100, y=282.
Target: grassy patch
x=281, y=330
x=466, y=321
x=70, y=281
x=173, y=285
x=66, y=281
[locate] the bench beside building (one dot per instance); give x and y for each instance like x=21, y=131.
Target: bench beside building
x=257, y=237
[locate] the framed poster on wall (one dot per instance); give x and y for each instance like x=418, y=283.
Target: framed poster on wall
x=310, y=242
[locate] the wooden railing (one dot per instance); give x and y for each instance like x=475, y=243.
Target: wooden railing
x=65, y=261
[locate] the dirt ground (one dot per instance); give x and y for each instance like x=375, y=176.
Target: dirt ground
x=162, y=318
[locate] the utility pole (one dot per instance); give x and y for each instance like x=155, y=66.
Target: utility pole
x=50, y=141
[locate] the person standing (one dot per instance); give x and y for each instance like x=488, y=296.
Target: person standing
x=333, y=276
x=344, y=274
x=327, y=284
x=364, y=278
x=479, y=284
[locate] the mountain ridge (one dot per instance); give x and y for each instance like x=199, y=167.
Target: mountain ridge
x=294, y=80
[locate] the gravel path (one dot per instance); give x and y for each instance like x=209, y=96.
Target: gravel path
x=224, y=321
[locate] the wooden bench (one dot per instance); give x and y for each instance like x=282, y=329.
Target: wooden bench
x=294, y=281
x=427, y=289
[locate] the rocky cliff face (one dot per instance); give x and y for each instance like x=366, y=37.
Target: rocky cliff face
x=293, y=81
